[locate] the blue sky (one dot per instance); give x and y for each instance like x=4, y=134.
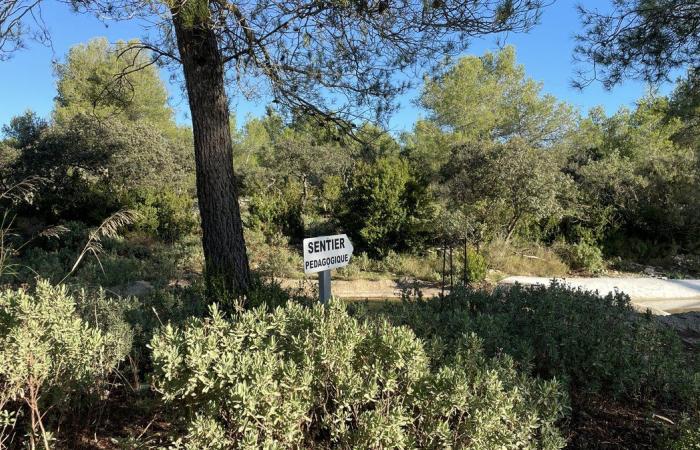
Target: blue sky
x=28, y=83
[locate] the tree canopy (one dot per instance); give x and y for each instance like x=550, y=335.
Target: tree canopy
x=111, y=81
x=339, y=60
x=490, y=98
x=642, y=39
x=489, y=145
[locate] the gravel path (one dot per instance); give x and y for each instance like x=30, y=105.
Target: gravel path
x=360, y=289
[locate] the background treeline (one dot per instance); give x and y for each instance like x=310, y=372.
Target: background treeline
x=495, y=163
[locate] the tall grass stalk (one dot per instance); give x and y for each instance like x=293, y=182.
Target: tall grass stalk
x=109, y=228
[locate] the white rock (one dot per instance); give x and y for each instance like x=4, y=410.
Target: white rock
x=137, y=289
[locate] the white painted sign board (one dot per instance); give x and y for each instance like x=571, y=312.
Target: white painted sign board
x=326, y=252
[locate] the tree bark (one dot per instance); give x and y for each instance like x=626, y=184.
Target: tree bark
x=226, y=261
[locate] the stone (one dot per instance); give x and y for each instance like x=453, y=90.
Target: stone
x=137, y=289
x=687, y=325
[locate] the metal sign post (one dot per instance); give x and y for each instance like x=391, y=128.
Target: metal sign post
x=323, y=253
x=324, y=286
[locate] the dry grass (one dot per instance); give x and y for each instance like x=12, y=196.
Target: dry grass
x=393, y=267
x=523, y=259
x=278, y=259
x=426, y=268
x=23, y=191
x=109, y=228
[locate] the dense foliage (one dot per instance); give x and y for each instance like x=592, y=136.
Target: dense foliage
x=494, y=160
x=53, y=362
x=109, y=81
x=384, y=206
x=299, y=377
x=592, y=344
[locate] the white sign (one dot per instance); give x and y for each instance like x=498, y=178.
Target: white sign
x=326, y=252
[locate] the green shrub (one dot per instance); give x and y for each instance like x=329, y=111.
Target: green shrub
x=280, y=261
x=427, y=267
x=106, y=314
x=300, y=377
x=165, y=214
x=175, y=306
x=121, y=262
x=272, y=256
x=51, y=265
x=595, y=344
x=331, y=192
x=476, y=266
x=688, y=438
x=384, y=206
x=113, y=270
x=584, y=255
x=52, y=362
x=349, y=272
x=412, y=266
x=147, y=314
x=362, y=261
x=277, y=212
x=365, y=263
x=519, y=258
x=271, y=294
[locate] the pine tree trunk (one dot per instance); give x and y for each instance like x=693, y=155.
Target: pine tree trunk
x=226, y=261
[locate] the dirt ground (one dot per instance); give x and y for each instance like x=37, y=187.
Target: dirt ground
x=364, y=289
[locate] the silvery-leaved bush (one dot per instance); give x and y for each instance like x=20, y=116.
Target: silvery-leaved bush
x=52, y=362
x=298, y=377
